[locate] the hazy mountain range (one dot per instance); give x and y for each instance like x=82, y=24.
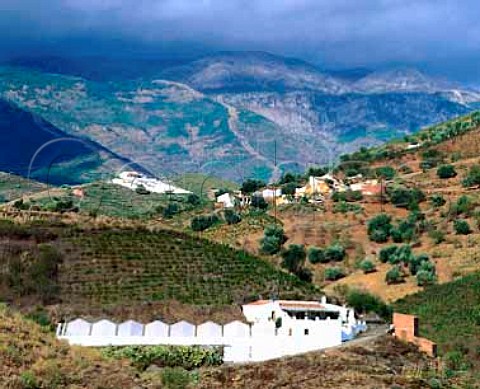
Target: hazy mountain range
x=226, y=114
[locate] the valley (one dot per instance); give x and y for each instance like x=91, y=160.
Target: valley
x=87, y=247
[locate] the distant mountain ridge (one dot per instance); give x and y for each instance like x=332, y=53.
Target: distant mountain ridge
x=234, y=114
x=262, y=71
x=253, y=71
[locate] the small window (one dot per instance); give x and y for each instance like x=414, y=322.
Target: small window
x=306, y=332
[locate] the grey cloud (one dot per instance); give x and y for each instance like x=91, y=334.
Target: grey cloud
x=440, y=34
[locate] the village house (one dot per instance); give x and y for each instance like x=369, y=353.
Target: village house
x=302, y=318
x=134, y=180
x=226, y=200
x=318, y=187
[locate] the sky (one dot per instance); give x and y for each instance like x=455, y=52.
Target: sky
x=440, y=36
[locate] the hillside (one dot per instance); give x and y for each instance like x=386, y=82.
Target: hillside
x=32, y=358
x=382, y=363
x=450, y=315
x=117, y=270
x=166, y=127
x=429, y=227
x=13, y=187
x=353, y=108
x=31, y=145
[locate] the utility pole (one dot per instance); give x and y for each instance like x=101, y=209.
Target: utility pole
x=381, y=194
x=274, y=186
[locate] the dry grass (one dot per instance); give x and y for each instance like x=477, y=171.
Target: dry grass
x=386, y=363
x=30, y=354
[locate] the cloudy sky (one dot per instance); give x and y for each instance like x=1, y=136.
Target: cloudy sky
x=442, y=36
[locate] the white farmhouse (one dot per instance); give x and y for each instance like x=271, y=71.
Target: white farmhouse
x=273, y=329
x=305, y=318
x=132, y=180
x=268, y=193
x=226, y=200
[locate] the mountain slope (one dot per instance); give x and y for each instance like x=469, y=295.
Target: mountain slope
x=31, y=146
x=359, y=106
x=32, y=358
x=251, y=71
x=254, y=114
x=116, y=269
x=167, y=127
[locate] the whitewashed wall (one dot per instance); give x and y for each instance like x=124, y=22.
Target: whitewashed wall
x=242, y=342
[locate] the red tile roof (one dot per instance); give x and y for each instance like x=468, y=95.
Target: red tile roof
x=292, y=304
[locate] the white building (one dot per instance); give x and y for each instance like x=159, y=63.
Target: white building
x=133, y=180
x=303, y=318
x=275, y=328
x=226, y=200
x=271, y=193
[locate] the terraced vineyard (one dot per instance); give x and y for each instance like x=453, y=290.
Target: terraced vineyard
x=125, y=266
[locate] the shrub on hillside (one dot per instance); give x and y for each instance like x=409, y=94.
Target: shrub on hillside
x=404, y=232
x=251, y=185
x=293, y=258
x=316, y=171
x=367, y=266
x=406, y=198
x=419, y=262
x=437, y=200
x=316, y=255
x=273, y=239
x=193, y=199
x=259, y=203
x=304, y=274
x=437, y=236
x=386, y=253
x=335, y=253
x=394, y=276
x=202, y=222
x=349, y=196
x=446, y=171
x=385, y=172
x=270, y=245
x=334, y=273
x=425, y=277
x=464, y=205
x=141, y=190
x=171, y=210
x=176, y=378
x=365, y=302
x=289, y=188
x=232, y=217
x=379, y=236
x=187, y=357
x=379, y=228
x=473, y=177
x=461, y=227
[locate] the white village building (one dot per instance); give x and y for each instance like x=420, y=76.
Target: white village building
x=274, y=328
x=133, y=180
x=226, y=200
